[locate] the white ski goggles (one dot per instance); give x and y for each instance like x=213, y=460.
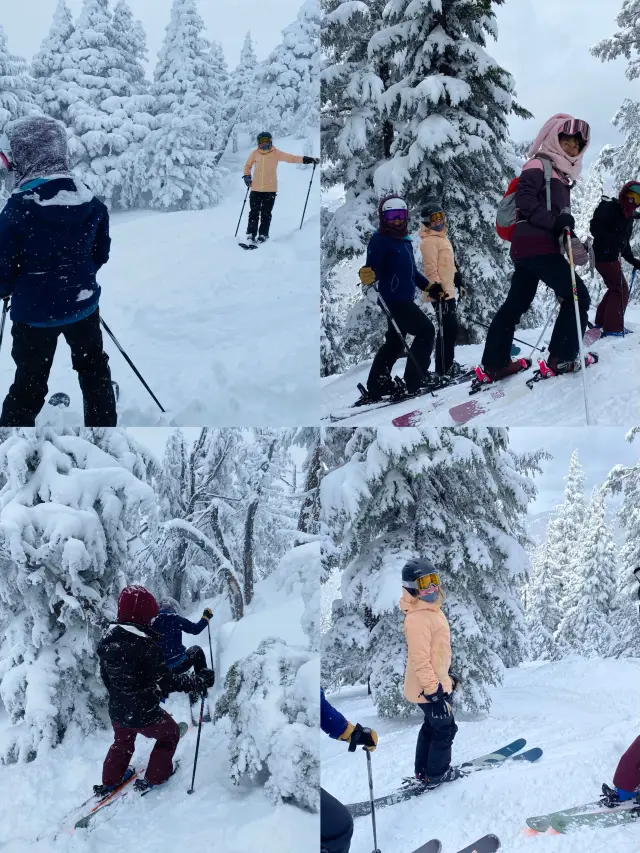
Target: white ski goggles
x=6, y=158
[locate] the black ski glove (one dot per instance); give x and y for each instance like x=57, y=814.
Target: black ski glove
x=204, y=679
x=359, y=736
x=438, y=703
x=462, y=290
x=308, y=160
x=564, y=220
x=247, y=179
x=435, y=290
x=207, y=613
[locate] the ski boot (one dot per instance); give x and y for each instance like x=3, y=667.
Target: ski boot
x=552, y=367
x=449, y=775
x=488, y=376
x=391, y=388
x=262, y=238
x=616, y=334
x=142, y=786
x=102, y=791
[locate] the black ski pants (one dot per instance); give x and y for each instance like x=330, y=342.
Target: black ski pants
x=555, y=272
x=336, y=825
x=260, y=209
x=411, y=321
x=195, y=658
x=435, y=738
x=446, y=339
x=33, y=350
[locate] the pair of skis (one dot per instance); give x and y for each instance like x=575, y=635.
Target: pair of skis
x=486, y=844
x=510, y=752
x=590, y=814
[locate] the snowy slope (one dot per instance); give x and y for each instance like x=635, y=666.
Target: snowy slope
x=557, y=706
x=221, y=335
x=218, y=816
x=613, y=387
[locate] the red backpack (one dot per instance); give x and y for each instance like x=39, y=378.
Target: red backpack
x=507, y=213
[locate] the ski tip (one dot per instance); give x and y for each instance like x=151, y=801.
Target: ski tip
x=528, y=832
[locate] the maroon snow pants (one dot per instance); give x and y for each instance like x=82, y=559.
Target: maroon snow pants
x=627, y=775
x=166, y=734
x=611, y=310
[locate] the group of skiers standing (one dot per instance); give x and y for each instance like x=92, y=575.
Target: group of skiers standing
x=542, y=227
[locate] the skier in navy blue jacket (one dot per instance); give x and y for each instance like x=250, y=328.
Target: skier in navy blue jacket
x=390, y=261
x=336, y=823
x=170, y=626
x=54, y=237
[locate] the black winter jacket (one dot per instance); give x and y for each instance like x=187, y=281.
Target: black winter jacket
x=135, y=674
x=611, y=232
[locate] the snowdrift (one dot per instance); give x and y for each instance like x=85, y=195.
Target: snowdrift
x=556, y=706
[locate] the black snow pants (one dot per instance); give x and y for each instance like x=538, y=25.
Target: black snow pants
x=554, y=271
x=336, y=825
x=446, y=339
x=411, y=321
x=435, y=738
x=33, y=350
x=196, y=659
x=260, y=209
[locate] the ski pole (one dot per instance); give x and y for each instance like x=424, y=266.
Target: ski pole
x=308, y=191
x=622, y=296
x=5, y=311
x=519, y=340
x=537, y=343
x=583, y=366
x=210, y=649
x=195, y=760
x=376, y=849
x=130, y=363
x=441, y=331
x=408, y=352
x=246, y=195
x=633, y=275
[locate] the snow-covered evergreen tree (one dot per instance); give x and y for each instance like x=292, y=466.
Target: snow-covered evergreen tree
x=543, y=611
x=412, y=103
x=626, y=620
x=244, y=111
x=70, y=502
x=49, y=63
x=457, y=497
x=183, y=171
x=289, y=77
x=586, y=196
x=220, y=87
x=17, y=95
x=587, y=626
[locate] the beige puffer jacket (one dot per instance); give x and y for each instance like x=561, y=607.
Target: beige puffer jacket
x=428, y=648
x=437, y=260
x=265, y=173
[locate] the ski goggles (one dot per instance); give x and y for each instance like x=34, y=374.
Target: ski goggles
x=6, y=159
x=436, y=218
x=264, y=142
x=634, y=194
x=395, y=208
x=424, y=582
x=577, y=127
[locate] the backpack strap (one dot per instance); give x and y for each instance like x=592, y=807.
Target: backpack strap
x=547, y=167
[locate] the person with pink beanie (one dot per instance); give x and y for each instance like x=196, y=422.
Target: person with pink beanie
x=537, y=250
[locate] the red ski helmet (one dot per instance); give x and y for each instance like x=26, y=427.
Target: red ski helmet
x=137, y=604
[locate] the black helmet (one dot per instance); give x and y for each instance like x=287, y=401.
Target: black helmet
x=430, y=207
x=417, y=568
x=264, y=135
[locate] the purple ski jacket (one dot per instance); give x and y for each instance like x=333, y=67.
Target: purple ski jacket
x=533, y=234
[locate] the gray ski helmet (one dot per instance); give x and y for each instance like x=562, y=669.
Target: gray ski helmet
x=430, y=207
x=170, y=604
x=414, y=569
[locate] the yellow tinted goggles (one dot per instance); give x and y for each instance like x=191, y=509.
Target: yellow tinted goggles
x=634, y=196
x=427, y=580
x=436, y=218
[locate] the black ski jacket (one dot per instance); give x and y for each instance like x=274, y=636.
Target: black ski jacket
x=611, y=232
x=135, y=674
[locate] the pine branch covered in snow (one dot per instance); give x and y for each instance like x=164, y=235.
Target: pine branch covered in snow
x=66, y=513
x=277, y=685
x=586, y=196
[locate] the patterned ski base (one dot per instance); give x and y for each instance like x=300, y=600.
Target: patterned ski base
x=610, y=817
x=484, y=762
x=591, y=336
x=118, y=794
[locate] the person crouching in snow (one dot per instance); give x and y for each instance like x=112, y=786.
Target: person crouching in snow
x=391, y=263
x=54, y=237
x=136, y=676
x=537, y=253
x=439, y=267
x=170, y=626
x=427, y=681
x=612, y=228
x=264, y=162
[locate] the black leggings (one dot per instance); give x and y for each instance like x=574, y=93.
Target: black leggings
x=435, y=738
x=554, y=271
x=411, y=321
x=260, y=209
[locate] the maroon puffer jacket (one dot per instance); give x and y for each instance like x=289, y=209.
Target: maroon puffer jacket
x=533, y=234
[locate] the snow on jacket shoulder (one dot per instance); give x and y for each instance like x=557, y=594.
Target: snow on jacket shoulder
x=54, y=237
x=136, y=676
x=265, y=173
x=332, y=721
x=438, y=262
x=170, y=628
x=533, y=234
x=393, y=262
x=428, y=639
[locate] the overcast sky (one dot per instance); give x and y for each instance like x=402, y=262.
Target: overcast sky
x=27, y=23
x=545, y=45
x=599, y=448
